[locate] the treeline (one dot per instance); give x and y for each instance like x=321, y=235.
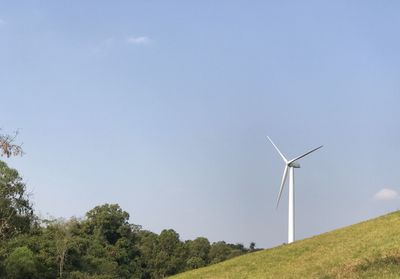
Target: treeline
x=101, y=245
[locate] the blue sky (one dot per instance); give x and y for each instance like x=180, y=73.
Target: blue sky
x=164, y=108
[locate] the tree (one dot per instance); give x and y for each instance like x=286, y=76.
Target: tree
x=219, y=252
x=170, y=257
x=8, y=147
x=61, y=235
x=109, y=222
x=198, y=251
x=148, y=245
x=21, y=264
x=195, y=262
x=16, y=213
x=110, y=242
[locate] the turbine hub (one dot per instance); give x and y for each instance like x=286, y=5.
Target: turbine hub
x=294, y=165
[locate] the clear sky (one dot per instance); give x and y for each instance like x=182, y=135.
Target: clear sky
x=164, y=107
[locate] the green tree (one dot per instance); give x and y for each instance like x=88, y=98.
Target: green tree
x=219, y=252
x=111, y=243
x=195, y=262
x=16, y=213
x=21, y=264
x=198, y=250
x=148, y=247
x=170, y=257
x=61, y=234
x=109, y=222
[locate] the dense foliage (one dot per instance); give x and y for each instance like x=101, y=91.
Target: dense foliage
x=103, y=244
x=16, y=214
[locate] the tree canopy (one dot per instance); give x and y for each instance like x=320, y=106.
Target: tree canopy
x=16, y=213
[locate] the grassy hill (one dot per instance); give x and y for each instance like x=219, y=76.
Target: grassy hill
x=369, y=249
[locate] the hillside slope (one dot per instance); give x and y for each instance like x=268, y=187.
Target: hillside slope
x=369, y=249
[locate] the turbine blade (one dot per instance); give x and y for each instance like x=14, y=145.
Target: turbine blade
x=285, y=172
x=305, y=154
x=280, y=153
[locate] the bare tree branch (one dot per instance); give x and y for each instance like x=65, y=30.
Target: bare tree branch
x=8, y=147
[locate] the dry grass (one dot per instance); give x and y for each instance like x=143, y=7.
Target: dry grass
x=366, y=250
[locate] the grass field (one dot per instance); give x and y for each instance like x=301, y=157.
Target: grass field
x=369, y=249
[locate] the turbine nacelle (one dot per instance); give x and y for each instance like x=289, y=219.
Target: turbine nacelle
x=295, y=165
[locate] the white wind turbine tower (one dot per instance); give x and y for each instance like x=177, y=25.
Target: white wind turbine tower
x=290, y=165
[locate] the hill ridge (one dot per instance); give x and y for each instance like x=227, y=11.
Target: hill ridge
x=364, y=250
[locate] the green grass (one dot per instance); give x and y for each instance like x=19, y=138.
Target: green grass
x=369, y=249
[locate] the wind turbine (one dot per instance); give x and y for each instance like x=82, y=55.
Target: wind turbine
x=290, y=165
